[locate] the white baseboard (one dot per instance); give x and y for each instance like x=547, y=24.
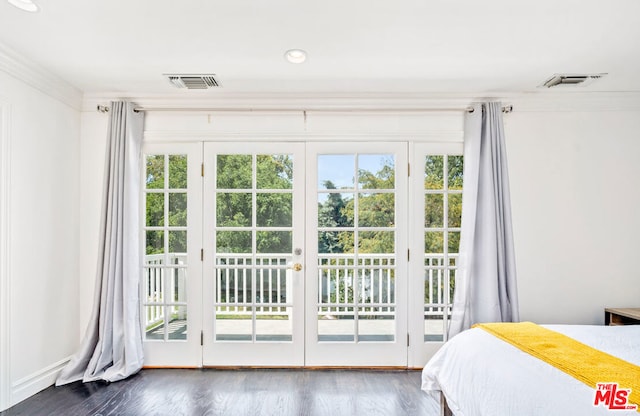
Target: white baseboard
x=36, y=382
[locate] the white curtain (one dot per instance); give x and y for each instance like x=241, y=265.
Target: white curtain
x=485, y=288
x=112, y=347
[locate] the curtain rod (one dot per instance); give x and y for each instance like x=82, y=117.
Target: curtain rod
x=104, y=109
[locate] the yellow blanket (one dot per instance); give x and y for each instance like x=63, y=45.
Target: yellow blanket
x=581, y=361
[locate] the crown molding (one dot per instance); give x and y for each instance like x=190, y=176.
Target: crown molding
x=38, y=77
x=526, y=101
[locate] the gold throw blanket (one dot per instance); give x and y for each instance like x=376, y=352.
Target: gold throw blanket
x=587, y=364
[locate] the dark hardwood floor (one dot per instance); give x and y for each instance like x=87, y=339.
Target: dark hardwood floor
x=239, y=392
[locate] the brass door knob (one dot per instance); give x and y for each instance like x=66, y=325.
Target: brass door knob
x=297, y=267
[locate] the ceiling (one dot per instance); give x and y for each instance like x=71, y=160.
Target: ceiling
x=354, y=46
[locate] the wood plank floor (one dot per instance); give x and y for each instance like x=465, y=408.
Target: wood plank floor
x=239, y=392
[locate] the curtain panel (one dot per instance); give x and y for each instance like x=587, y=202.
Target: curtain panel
x=112, y=347
x=486, y=289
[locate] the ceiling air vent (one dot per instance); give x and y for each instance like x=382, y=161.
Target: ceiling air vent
x=569, y=80
x=193, y=81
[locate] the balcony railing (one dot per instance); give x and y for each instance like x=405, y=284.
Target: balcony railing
x=345, y=282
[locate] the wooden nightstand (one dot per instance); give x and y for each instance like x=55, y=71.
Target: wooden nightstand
x=622, y=316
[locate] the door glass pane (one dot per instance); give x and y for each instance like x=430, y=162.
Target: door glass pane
x=155, y=210
x=335, y=209
x=155, y=243
x=273, y=242
x=178, y=171
x=233, y=171
x=233, y=323
x=177, y=328
x=376, y=210
x=274, y=210
x=233, y=209
x=155, y=172
x=178, y=209
x=233, y=242
x=376, y=242
x=376, y=172
x=274, y=172
x=336, y=171
x=376, y=324
x=433, y=172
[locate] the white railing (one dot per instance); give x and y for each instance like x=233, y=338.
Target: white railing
x=439, y=282
x=272, y=287
x=155, y=296
x=365, y=281
x=344, y=283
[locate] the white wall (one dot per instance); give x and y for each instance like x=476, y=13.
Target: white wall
x=575, y=199
x=43, y=237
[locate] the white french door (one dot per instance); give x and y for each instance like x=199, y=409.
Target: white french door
x=299, y=254
x=356, y=254
x=253, y=291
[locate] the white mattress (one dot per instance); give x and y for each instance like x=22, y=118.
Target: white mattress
x=483, y=375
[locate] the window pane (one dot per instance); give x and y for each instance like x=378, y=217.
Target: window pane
x=155, y=210
x=178, y=284
x=233, y=209
x=376, y=242
x=177, y=322
x=155, y=172
x=335, y=242
x=376, y=171
x=433, y=210
x=433, y=172
x=178, y=210
x=154, y=322
x=335, y=210
x=336, y=171
x=153, y=285
x=274, y=172
x=455, y=172
x=178, y=171
x=455, y=210
x=376, y=210
x=454, y=242
x=274, y=210
x=376, y=324
x=274, y=242
x=233, y=323
x=336, y=324
x=177, y=241
x=233, y=280
x=155, y=242
x=433, y=242
x=234, y=171
x=233, y=242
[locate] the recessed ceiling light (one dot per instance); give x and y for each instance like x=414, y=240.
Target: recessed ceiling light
x=295, y=56
x=26, y=5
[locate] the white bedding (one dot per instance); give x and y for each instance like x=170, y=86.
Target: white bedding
x=483, y=375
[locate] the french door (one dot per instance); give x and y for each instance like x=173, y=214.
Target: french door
x=356, y=307
x=294, y=254
x=253, y=291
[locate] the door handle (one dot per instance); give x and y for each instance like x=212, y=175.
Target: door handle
x=296, y=267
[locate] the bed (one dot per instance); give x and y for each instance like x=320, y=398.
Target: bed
x=479, y=374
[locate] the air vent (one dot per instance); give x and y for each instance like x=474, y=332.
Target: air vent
x=569, y=80
x=193, y=81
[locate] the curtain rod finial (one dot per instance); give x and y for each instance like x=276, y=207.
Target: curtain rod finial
x=102, y=108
